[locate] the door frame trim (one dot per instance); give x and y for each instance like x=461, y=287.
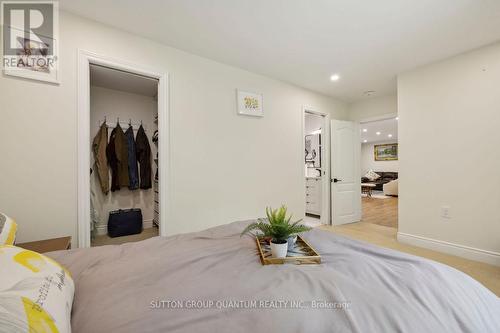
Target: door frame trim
x=85, y=59
x=384, y=116
x=326, y=217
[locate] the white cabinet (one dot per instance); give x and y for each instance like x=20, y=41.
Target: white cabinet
x=313, y=195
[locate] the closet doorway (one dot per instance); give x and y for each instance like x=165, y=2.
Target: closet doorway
x=123, y=141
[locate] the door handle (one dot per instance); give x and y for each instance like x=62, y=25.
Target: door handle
x=336, y=180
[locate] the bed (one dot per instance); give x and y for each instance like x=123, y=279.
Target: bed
x=213, y=281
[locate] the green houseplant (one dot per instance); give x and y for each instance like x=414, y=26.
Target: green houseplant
x=278, y=228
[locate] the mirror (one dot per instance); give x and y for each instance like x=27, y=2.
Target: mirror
x=312, y=151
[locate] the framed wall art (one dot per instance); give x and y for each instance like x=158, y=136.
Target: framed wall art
x=30, y=46
x=249, y=104
x=386, y=152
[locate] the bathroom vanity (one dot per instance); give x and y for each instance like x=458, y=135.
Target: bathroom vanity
x=313, y=195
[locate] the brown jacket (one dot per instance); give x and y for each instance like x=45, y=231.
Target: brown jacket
x=101, y=161
x=117, y=153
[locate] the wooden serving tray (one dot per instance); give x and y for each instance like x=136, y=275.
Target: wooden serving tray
x=301, y=254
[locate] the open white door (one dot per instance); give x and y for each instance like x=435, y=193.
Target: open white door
x=345, y=176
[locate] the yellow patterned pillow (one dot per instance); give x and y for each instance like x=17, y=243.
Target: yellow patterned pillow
x=36, y=293
x=7, y=230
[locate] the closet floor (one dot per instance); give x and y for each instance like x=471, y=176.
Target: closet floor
x=106, y=240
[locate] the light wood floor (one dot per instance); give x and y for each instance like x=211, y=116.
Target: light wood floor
x=379, y=235
x=106, y=240
x=383, y=212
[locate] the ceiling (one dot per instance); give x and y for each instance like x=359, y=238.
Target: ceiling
x=123, y=81
x=304, y=42
x=384, y=127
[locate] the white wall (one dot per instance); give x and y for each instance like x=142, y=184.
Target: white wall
x=368, y=159
x=224, y=167
x=113, y=104
x=449, y=121
x=373, y=107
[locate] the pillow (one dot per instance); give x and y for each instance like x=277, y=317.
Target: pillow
x=7, y=230
x=36, y=293
x=372, y=175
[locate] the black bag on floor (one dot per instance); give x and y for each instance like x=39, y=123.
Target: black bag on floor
x=124, y=222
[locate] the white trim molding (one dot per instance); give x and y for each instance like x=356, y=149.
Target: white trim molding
x=488, y=257
x=85, y=59
x=378, y=118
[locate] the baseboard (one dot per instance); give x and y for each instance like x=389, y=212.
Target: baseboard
x=103, y=228
x=147, y=224
x=488, y=257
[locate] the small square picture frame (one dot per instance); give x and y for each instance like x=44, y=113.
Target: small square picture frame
x=249, y=103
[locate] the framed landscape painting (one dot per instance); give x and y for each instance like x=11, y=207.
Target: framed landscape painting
x=386, y=152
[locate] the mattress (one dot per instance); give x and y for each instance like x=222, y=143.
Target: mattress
x=213, y=281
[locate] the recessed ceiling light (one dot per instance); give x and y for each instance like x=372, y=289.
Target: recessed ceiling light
x=365, y=130
x=334, y=77
x=378, y=133
x=365, y=141
x=397, y=118
x=389, y=135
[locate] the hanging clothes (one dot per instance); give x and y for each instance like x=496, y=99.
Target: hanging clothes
x=144, y=158
x=95, y=202
x=101, y=161
x=117, y=153
x=133, y=172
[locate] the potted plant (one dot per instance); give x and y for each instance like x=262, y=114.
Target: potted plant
x=278, y=228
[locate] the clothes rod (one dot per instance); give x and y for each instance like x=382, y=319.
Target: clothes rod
x=123, y=124
x=126, y=72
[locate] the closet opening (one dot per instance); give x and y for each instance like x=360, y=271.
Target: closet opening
x=122, y=139
x=124, y=160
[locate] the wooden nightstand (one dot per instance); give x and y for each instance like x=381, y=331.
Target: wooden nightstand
x=48, y=245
